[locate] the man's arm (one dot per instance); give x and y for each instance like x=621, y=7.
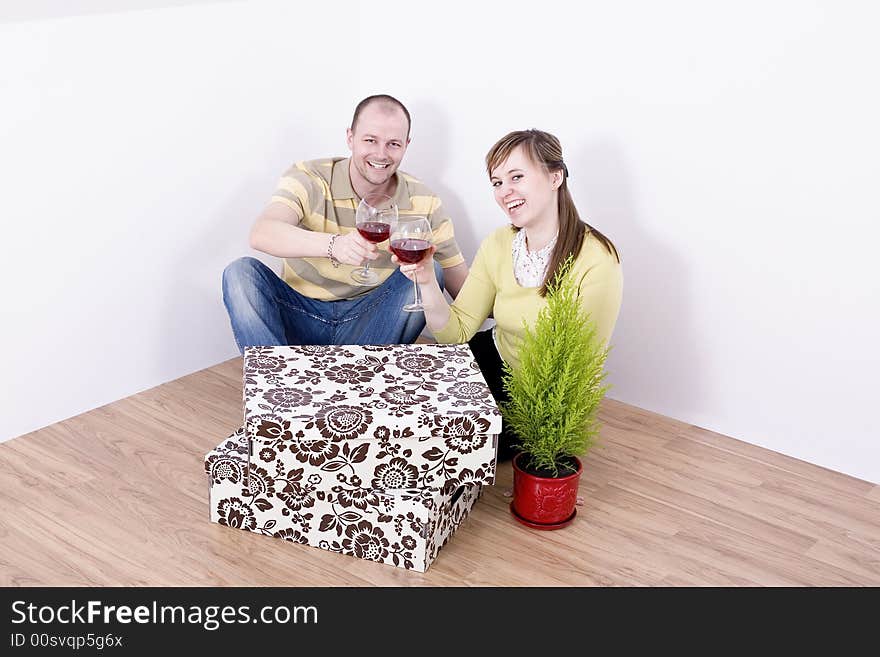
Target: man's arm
x=447, y=248
x=454, y=277
x=276, y=232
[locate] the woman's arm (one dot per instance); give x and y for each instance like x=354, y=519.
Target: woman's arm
x=436, y=307
x=601, y=293
x=459, y=322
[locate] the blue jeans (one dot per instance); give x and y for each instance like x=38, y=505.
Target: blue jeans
x=264, y=310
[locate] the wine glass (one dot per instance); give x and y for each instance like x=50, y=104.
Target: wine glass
x=410, y=240
x=374, y=216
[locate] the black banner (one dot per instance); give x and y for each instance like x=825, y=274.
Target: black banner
x=409, y=620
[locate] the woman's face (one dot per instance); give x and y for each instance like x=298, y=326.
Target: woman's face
x=525, y=191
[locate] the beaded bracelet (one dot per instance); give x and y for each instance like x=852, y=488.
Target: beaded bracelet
x=330, y=255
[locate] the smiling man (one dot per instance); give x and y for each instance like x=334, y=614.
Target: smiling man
x=310, y=224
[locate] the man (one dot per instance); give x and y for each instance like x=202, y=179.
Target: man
x=310, y=223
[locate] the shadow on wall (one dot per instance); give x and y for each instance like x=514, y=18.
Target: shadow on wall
x=655, y=361
x=226, y=234
x=30, y=10
x=428, y=158
x=195, y=317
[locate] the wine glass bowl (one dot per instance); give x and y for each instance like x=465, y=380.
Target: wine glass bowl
x=410, y=251
x=410, y=241
x=375, y=215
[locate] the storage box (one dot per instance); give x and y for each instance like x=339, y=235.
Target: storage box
x=402, y=527
x=379, y=417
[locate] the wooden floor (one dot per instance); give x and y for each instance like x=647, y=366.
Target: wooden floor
x=118, y=496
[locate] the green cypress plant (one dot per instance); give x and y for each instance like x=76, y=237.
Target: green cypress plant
x=556, y=389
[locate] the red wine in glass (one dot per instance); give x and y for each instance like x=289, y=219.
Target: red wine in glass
x=411, y=241
x=410, y=251
x=373, y=219
x=374, y=231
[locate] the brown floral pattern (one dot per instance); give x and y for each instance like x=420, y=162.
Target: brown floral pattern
x=466, y=443
x=223, y=467
x=419, y=363
x=314, y=452
x=296, y=497
x=233, y=512
x=343, y=422
x=397, y=473
x=224, y=461
x=360, y=498
x=291, y=535
x=350, y=374
x=401, y=396
x=468, y=477
x=258, y=483
x=365, y=541
x=469, y=390
x=287, y=397
x=463, y=434
x=269, y=428
x=262, y=360
x=404, y=528
x=384, y=402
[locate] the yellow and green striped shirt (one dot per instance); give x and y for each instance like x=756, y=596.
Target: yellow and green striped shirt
x=321, y=191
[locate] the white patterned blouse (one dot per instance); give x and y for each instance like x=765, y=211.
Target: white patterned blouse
x=530, y=267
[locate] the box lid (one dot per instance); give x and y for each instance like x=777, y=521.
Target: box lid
x=346, y=391
x=420, y=394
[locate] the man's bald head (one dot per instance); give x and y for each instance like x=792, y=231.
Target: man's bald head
x=383, y=101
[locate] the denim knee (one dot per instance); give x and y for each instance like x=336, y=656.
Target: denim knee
x=240, y=270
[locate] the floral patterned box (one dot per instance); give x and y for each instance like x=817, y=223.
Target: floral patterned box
x=387, y=417
x=404, y=527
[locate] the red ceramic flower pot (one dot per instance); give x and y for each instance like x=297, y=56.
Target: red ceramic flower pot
x=544, y=502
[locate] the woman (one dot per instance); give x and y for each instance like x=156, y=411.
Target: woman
x=513, y=265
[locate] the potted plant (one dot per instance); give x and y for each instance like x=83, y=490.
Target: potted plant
x=554, y=397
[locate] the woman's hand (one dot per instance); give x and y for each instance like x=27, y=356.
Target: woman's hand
x=423, y=271
x=436, y=307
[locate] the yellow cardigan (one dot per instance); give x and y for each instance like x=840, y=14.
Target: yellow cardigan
x=492, y=287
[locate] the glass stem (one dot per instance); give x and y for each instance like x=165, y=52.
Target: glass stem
x=417, y=293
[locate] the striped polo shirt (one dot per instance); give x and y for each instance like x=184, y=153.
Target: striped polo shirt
x=321, y=191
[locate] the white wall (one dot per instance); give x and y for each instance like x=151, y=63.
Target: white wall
x=136, y=149
x=730, y=151
x=24, y=10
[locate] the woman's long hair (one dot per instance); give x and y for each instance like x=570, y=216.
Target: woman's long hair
x=544, y=149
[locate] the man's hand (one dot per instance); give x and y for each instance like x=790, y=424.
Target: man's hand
x=352, y=249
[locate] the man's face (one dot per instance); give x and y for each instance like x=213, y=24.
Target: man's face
x=378, y=143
